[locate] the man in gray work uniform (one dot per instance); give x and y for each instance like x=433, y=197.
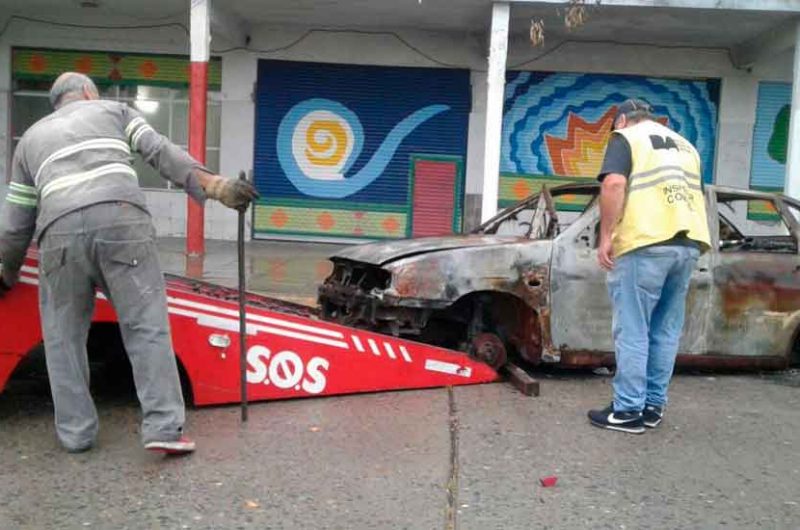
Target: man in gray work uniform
x=74, y=190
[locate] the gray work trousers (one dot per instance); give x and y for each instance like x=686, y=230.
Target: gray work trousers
x=109, y=246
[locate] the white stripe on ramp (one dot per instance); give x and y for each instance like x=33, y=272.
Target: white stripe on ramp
x=433, y=365
x=374, y=347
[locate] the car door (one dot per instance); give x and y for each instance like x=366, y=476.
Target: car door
x=581, y=310
x=580, y=316
x=756, y=276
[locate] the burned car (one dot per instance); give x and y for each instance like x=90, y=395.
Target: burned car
x=527, y=284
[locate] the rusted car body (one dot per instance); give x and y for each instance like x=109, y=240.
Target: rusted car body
x=526, y=284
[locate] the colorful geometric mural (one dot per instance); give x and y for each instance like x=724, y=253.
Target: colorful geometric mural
x=335, y=145
x=110, y=67
x=556, y=125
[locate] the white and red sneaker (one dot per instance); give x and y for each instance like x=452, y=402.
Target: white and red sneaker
x=182, y=446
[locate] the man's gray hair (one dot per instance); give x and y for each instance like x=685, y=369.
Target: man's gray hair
x=69, y=86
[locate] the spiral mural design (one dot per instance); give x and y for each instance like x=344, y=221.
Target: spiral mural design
x=345, y=151
x=319, y=140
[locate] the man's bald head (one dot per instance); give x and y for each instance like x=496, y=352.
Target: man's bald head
x=72, y=86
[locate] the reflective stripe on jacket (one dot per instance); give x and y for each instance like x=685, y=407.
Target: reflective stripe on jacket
x=664, y=196
x=78, y=156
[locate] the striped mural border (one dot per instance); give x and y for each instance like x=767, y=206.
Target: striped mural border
x=515, y=187
x=110, y=68
x=346, y=222
x=760, y=210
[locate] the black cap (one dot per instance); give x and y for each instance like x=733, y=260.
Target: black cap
x=629, y=106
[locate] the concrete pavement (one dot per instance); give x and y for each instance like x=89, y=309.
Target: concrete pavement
x=726, y=456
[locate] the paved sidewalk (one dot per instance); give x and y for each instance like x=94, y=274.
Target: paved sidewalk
x=726, y=457
x=287, y=270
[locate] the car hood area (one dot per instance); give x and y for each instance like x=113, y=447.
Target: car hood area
x=383, y=252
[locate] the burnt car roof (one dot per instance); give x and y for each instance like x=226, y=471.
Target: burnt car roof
x=383, y=252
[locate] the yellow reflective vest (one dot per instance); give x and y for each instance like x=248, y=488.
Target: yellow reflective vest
x=664, y=196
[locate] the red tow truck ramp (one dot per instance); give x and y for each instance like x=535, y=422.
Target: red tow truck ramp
x=290, y=352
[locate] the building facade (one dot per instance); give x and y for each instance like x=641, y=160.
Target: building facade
x=361, y=124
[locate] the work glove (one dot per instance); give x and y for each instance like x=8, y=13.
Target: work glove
x=233, y=193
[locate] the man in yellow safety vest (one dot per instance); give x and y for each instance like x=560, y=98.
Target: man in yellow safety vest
x=653, y=227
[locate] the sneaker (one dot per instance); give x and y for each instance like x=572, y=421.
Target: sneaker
x=630, y=422
x=652, y=416
x=182, y=446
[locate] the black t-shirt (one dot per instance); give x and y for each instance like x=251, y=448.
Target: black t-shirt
x=617, y=159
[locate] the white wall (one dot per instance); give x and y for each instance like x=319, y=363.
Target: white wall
x=778, y=68
x=453, y=50
x=477, y=125
x=735, y=130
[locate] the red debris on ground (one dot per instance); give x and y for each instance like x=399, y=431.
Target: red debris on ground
x=548, y=482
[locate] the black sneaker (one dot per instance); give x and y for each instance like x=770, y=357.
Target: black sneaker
x=652, y=416
x=630, y=422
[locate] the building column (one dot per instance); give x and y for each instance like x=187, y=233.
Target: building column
x=792, y=182
x=495, y=82
x=198, y=94
x=737, y=116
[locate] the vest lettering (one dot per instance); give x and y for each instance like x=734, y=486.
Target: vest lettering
x=661, y=142
x=665, y=195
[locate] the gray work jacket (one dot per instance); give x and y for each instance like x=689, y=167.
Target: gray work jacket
x=78, y=156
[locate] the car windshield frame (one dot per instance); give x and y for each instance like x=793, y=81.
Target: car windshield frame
x=531, y=202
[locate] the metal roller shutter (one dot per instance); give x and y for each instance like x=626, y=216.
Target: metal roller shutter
x=339, y=147
x=556, y=125
x=770, y=136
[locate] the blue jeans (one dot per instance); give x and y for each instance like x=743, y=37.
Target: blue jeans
x=648, y=289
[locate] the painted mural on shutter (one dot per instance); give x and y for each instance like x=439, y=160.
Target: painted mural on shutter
x=770, y=141
x=336, y=145
x=556, y=125
x=768, y=166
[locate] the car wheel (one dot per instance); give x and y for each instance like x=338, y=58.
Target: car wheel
x=488, y=348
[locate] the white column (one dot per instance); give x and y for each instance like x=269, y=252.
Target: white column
x=237, y=134
x=737, y=116
x=495, y=81
x=200, y=30
x=792, y=185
